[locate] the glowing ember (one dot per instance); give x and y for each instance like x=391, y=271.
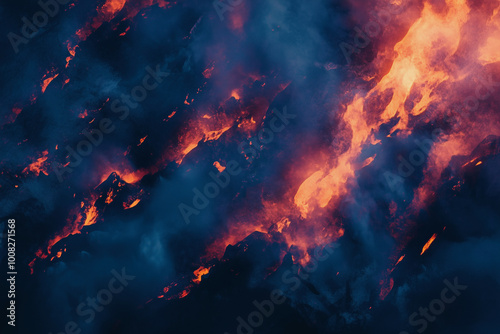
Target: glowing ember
x=131, y=205
x=428, y=243
x=208, y=72
x=235, y=94
x=90, y=215
x=142, y=140
x=199, y=273
x=110, y=197
x=386, y=288
x=39, y=166
x=47, y=81
x=400, y=259
x=219, y=167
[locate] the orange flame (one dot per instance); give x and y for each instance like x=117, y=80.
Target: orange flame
x=142, y=140
x=386, y=288
x=130, y=206
x=47, y=81
x=219, y=167
x=199, y=273
x=39, y=166
x=428, y=243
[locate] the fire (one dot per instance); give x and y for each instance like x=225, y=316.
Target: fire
x=74, y=224
x=179, y=295
x=413, y=65
x=400, y=259
x=183, y=294
x=386, y=288
x=110, y=197
x=71, y=228
x=125, y=32
x=16, y=110
x=72, y=52
x=219, y=167
x=142, y=140
x=90, y=215
x=124, y=171
x=47, y=80
x=422, y=61
x=406, y=85
x=201, y=132
x=111, y=7
x=38, y=166
x=282, y=224
x=368, y=161
x=488, y=53
x=428, y=243
x=199, y=273
x=328, y=186
x=131, y=205
x=171, y=115
x=416, y=65
x=214, y=135
x=105, y=13
x=235, y=94
x=208, y=72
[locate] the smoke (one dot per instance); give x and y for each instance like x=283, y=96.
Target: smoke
x=223, y=107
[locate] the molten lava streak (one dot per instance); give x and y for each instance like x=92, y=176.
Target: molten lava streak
x=428, y=243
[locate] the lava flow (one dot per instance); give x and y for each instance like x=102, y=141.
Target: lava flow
x=342, y=155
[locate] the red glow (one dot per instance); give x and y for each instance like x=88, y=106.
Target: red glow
x=142, y=140
x=123, y=33
x=428, y=243
x=208, y=72
x=386, y=288
x=235, y=94
x=47, y=80
x=39, y=166
x=400, y=259
x=183, y=294
x=130, y=206
x=199, y=273
x=405, y=83
x=219, y=167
